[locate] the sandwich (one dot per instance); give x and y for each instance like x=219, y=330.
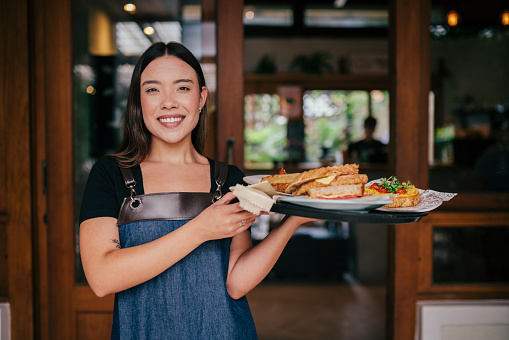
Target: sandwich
x=408, y=195
x=331, y=182
x=281, y=180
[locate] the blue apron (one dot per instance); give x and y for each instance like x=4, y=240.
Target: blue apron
x=188, y=301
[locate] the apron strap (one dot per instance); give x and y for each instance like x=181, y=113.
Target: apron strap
x=168, y=206
x=220, y=173
x=127, y=174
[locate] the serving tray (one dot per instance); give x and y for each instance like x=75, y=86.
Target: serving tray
x=373, y=216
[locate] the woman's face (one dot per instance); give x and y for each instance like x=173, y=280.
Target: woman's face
x=170, y=99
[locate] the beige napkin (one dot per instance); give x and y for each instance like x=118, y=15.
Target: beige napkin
x=257, y=197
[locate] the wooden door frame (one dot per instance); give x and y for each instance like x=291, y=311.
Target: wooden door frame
x=56, y=19
x=16, y=207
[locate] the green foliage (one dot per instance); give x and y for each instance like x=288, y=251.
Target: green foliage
x=266, y=144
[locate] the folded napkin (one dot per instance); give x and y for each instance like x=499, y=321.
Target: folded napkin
x=255, y=198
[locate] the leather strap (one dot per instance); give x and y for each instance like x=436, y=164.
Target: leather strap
x=167, y=206
x=127, y=174
x=220, y=172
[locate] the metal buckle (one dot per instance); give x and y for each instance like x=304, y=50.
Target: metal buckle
x=218, y=194
x=135, y=201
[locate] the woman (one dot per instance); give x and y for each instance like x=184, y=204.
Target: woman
x=177, y=271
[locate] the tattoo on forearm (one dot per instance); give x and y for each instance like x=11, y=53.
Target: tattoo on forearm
x=117, y=242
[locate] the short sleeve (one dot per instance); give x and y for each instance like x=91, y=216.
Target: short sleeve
x=235, y=176
x=101, y=198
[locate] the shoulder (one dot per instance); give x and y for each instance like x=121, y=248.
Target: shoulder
x=105, y=165
x=234, y=171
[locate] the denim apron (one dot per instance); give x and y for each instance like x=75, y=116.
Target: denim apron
x=189, y=300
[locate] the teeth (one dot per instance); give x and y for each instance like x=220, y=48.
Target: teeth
x=170, y=120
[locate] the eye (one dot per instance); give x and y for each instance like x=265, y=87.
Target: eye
x=184, y=88
x=150, y=89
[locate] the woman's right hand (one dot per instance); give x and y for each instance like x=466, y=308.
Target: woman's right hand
x=223, y=219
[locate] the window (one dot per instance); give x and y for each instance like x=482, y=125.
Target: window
x=309, y=128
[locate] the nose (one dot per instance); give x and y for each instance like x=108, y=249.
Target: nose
x=168, y=101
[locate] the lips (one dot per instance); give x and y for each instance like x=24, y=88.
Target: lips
x=171, y=121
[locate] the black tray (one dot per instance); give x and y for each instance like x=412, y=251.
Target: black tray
x=373, y=216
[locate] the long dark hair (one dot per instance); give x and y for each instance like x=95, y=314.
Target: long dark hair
x=136, y=139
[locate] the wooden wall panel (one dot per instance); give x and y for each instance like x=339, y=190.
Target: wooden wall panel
x=412, y=269
x=94, y=326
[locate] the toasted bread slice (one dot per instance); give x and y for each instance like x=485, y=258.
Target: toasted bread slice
x=404, y=202
x=280, y=181
x=338, y=180
x=311, y=175
x=356, y=190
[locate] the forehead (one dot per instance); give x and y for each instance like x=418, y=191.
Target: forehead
x=168, y=67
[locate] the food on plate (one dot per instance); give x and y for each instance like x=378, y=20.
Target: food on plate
x=280, y=181
x=329, y=172
x=329, y=182
x=408, y=195
x=334, y=186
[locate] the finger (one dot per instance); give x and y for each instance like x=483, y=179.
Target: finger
x=226, y=199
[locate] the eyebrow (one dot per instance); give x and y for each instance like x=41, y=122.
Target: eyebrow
x=157, y=82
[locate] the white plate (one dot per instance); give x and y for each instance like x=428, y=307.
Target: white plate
x=364, y=204
x=254, y=179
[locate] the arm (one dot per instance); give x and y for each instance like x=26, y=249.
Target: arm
x=110, y=269
x=250, y=265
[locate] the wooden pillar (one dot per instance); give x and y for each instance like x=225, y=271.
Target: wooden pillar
x=60, y=176
x=409, y=59
x=409, y=56
x=230, y=78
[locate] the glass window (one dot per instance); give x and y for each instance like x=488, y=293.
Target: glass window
x=310, y=128
x=469, y=80
x=108, y=38
x=346, y=18
x=268, y=16
x=472, y=255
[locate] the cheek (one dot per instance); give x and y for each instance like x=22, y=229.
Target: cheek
x=145, y=103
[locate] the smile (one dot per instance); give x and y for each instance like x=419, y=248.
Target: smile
x=171, y=120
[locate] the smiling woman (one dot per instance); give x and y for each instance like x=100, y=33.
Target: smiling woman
x=182, y=236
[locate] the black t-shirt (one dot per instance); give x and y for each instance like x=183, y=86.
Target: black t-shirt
x=372, y=151
x=105, y=190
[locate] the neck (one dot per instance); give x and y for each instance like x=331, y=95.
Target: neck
x=174, y=153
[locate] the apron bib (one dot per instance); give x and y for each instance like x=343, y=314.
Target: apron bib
x=189, y=300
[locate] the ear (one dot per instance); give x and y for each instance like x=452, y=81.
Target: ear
x=203, y=95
